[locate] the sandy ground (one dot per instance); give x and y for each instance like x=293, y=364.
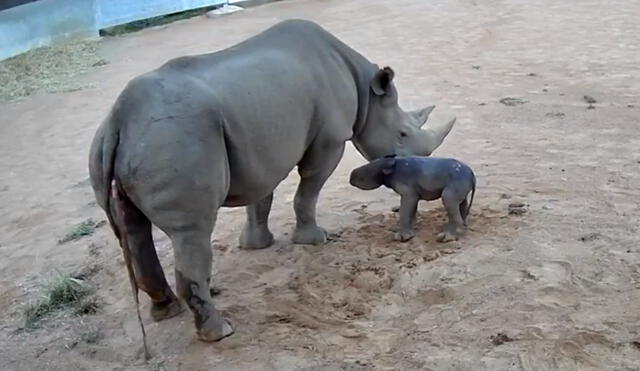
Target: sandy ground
x=560, y=281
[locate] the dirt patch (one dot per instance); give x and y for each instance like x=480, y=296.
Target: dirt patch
x=365, y=301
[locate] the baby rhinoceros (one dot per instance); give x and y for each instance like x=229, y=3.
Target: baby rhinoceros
x=418, y=178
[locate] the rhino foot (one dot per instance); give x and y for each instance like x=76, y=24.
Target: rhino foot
x=215, y=331
x=447, y=236
x=309, y=235
x=404, y=236
x=256, y=238
x=166, y=310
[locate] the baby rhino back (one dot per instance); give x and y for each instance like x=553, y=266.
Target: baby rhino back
x=430, y=175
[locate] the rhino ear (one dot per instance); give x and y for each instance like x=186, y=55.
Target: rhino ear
x=382, y=80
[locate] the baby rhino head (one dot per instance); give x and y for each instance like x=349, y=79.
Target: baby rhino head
x=371, y=175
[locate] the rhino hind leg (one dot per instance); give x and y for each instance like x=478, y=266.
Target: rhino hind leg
x=256, y=233
x=189, y=223
x=194, y=257
x=182, y=198
x=148, y=271
x=452, y=197
x=464, y=211
x=320, y=160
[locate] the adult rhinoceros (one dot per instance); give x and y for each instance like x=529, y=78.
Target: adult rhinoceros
x=224, y=129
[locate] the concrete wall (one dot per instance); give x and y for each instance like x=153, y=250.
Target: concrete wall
x=36, y=24
x=43, y=22
x=114, y=12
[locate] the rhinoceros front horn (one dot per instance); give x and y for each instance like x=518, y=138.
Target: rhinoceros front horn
x=434, y=136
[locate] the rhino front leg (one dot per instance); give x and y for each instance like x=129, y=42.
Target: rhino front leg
x=314, y=169
x=408, y=209
x=256, y=234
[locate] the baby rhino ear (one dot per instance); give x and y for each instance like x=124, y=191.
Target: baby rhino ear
x=389, y=164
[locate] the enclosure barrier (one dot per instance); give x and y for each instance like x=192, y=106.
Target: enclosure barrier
x=29, y=24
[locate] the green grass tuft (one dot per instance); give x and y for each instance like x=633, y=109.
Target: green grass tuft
x=63, y=293
x=86, y=228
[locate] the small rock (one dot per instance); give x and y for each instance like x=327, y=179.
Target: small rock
x=101, y=62
x=510, y=101
x=475, y=67
x=431, y=256
x=500, y=338
x=589, y=99
x=482, y=104
x=590, y=237
x=220, y=247
x=532, y=74
x=630, y=106
x=529, y=276
x=545, y=90
x=547, y=207
x=591, y=106
x=555, y=114
x=517, y=208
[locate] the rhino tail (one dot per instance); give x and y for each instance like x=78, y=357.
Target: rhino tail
x=110, y=141
x=114, y=198
x=473, y=193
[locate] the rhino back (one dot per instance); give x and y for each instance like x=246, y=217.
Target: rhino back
x=278, y=92
x=273, y=94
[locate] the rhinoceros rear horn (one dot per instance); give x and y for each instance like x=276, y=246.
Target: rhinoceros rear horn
x=435, y=136
x=420, y=117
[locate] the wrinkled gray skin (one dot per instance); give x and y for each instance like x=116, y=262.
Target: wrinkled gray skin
x=422, y=178
x=224, y=129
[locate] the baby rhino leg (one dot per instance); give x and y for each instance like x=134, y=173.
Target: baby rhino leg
x=452, y=198
x=408, y=208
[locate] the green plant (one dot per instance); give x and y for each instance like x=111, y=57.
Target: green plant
x=86, y=228
x=63, y=293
